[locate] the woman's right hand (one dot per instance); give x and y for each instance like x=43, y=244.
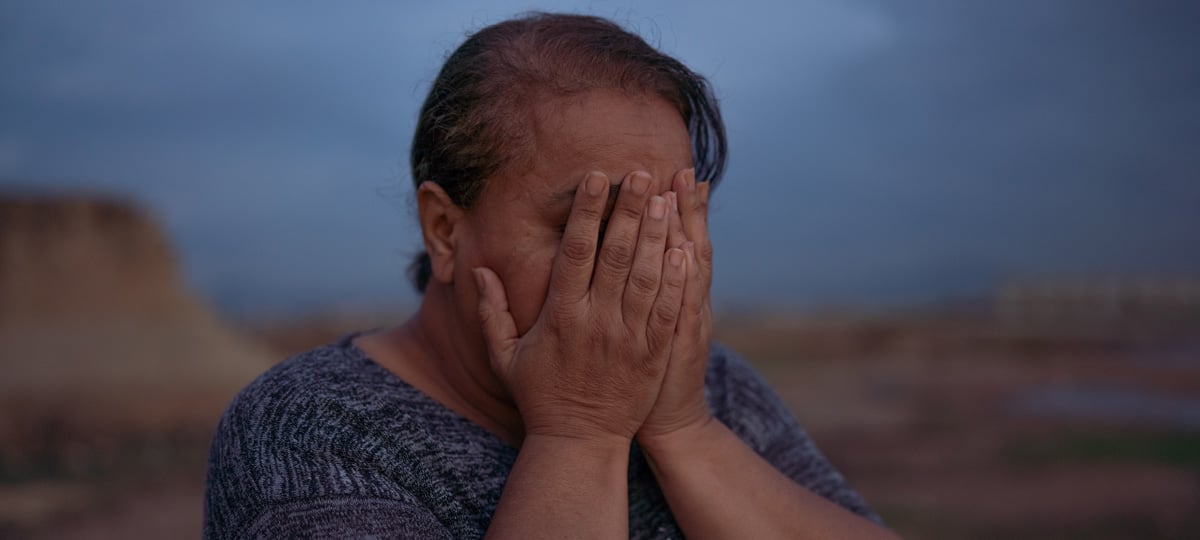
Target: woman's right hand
x=591, y=365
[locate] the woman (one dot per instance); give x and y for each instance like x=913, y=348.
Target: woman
x=557, y=379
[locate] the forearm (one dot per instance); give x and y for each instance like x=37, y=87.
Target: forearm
x=562, y=487
x=718, y=487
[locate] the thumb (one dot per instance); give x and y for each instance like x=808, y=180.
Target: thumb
x=499, y=329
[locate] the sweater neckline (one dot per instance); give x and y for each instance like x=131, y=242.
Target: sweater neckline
x=346, y=343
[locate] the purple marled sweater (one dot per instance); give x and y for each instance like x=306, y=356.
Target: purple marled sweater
x=330, y=444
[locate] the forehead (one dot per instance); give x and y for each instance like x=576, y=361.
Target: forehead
x=612, y=132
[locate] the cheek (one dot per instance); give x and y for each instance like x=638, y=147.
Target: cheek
x=521, y=252
x=527, y=280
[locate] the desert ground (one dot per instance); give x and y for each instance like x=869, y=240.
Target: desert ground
x=947, y=427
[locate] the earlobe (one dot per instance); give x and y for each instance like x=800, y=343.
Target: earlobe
x=439, y=216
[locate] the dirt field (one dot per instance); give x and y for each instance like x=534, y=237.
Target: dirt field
x=962, y=427
x=951, y=427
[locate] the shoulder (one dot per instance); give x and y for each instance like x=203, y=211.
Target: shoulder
x=314, y=427
x=322, y=387
x=309, y=398
x=330, y=402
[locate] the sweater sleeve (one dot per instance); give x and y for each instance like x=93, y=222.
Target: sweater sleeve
x=752, y=410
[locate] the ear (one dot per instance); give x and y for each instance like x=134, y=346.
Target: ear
x=439, y=217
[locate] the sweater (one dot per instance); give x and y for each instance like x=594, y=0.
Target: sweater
x=329, y=443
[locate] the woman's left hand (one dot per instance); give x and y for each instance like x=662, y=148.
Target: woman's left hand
x=681, y=405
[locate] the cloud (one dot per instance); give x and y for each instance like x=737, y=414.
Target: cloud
x=879, y=150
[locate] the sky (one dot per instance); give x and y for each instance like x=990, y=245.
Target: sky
x=882, y=152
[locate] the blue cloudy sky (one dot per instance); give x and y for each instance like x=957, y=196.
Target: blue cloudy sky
x=882, y=151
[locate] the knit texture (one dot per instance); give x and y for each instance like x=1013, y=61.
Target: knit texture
x=330, y=444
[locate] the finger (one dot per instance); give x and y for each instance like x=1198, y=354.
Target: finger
x=675, y=236
x=693, y=209
x=704, y=189
x=499, y=329
x=572, y=272
x=620, y=239
x=695, y=300
x=646, y=271
x=664, y=316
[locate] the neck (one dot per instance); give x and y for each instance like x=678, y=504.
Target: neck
x=449, y=350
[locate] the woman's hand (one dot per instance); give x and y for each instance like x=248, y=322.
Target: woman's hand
x=681, y=406
x=716, y=485
x=591, y=365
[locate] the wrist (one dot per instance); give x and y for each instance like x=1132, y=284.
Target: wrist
x=595, y=444
x=688, y=437
x=551, y=419
x=579, y=458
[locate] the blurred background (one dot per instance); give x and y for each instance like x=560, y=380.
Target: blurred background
x=958, y=237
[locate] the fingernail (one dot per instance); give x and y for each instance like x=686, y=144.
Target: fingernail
x=690, y=177
x=595, y=183
x=704, y=187
x=673, y=201
x=640, y=182
x=675, y=257
x=479, y=281
x=658, y=207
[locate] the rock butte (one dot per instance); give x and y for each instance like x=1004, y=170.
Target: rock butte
x=98, y=333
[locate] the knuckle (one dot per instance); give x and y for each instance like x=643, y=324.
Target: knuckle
x=611, y=278
x=598, y=329
x=674, y=279
x=578, y=249
x=616, y=253
x=664, y=316
x=705, y=251
x=586, y=212
x=643, y=281
x=629, y=210
x=653, y=233
x=560, y=314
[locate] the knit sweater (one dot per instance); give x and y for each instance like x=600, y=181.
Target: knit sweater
x=330, y=444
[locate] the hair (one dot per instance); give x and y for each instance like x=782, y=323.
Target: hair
x=475, y=123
